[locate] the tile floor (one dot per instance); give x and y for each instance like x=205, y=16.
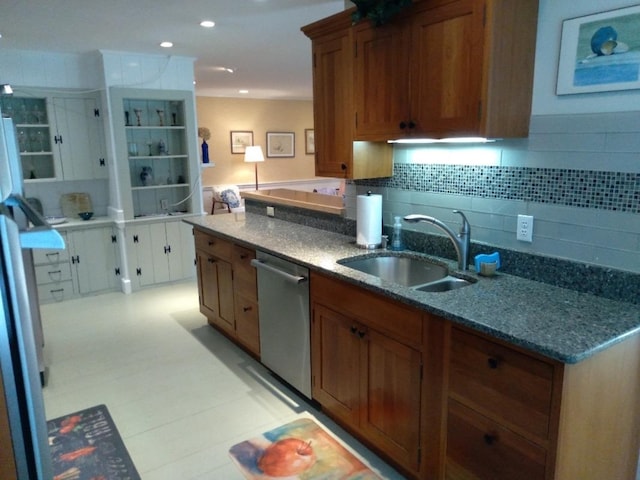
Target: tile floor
x=180, y=393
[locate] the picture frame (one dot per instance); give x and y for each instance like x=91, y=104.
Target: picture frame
x=595, y=53
x=240, y=140
x=281, y=144
x=309, y=141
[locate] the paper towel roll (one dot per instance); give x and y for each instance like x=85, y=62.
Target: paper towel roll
x=369, y=221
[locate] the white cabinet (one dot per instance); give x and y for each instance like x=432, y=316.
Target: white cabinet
x=94, y=259
x=160, y=252
x=53, y=273
x=89, y=264
x=79, y=138
x=59, y=137
x=156, y=151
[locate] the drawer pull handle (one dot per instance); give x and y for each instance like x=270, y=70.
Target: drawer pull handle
x=211, y=260
x=211, y=242
x=493, y=362
x=246, y=309
x=489, y=439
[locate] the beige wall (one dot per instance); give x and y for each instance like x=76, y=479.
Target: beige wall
x=221, y=115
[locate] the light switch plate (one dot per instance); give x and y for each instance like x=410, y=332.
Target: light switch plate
x=524, y=229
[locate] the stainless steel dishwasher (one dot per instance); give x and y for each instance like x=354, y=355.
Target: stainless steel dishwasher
x=285, y=329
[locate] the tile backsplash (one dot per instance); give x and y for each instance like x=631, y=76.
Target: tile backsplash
x=616, y=191
x=577, y=175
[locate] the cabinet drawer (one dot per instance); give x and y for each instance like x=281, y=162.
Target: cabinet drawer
x=53, y=273
x=392, y=318
x=55, y=292
x=247, y=324
x=478, y=448
x=500, y=382
x=50, y=257
x=213, y=245
x=244, y=274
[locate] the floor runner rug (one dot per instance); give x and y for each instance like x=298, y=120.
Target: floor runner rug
x=298, y=450
x=86, y=445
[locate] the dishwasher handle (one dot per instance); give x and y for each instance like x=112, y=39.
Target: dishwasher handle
x=287, y=276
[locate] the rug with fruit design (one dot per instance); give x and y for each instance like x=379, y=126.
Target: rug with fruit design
x=298, y=450
x=86, y=445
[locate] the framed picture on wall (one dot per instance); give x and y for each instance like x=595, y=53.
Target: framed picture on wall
x=309, y=141
x=281, y=144
x=600, y=52
x=240, y=140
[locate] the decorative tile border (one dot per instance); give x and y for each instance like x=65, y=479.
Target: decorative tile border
x=616, y=191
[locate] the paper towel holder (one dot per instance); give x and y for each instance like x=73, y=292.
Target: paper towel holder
x=366, y=245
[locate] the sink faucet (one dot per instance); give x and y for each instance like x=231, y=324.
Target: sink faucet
x=461, y=241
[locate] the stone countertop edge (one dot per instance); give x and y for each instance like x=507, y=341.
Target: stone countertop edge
x=558, y=323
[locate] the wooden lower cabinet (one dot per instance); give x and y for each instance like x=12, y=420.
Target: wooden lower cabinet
x=514, y=414
x=227, y=289
x=365, y=378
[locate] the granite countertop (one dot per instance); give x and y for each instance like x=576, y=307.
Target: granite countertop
x=559, y=323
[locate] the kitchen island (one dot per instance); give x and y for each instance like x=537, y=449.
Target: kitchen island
x=579, y=353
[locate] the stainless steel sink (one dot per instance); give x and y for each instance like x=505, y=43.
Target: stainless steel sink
x=444, y=285
x=406, y=271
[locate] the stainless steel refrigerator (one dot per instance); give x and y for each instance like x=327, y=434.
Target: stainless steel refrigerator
x=20, y=373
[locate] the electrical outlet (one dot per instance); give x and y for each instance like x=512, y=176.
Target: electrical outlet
x=524, y=229
x=271, y=212
x=164, y=204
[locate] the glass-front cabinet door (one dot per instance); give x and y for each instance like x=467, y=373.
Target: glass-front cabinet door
x=156, y=153
x=33, y=131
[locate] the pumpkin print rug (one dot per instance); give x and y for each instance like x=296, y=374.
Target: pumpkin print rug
x=298, y=450
x=86, y=445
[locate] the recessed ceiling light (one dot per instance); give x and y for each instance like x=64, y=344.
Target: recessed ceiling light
x=166, y=44
x=243, y=91
x=207, y=23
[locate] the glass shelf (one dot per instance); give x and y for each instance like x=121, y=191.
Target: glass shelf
x=156, y=145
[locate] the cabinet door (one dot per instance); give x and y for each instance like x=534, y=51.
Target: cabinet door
x=180, y=250
x=336, y=370
x=79, y=138
x=391, y=385
x=446, y=68
x=93, y=257
x=141, y=255
x=381, y=63
x=225, y=317
x=207, y=284
x=333, y=113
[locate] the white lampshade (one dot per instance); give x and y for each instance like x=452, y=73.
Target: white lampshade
x=253, y=154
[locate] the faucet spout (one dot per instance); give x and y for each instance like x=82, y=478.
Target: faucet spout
x=461, y=241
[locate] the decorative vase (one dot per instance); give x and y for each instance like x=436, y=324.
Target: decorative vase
x=205, y=152
x=146, y=176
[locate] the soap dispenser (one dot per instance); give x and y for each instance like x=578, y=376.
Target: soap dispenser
x=396, y=237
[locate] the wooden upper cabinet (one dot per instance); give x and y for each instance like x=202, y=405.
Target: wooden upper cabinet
x=446, y=68
x=381, y=69
x=332, y=92
x=336, y=153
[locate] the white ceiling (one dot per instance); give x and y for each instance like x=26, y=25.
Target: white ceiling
x=261, y=39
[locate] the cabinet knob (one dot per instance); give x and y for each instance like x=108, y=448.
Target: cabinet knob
x=343, y=166
x=489, y=439
x=354, y=329
x=410, y=124
x=211, y=260
x=210, y=242
x=493, y=362
x=361, y=333
x=246, y=309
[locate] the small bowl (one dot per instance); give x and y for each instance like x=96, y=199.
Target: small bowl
x=85, y=215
